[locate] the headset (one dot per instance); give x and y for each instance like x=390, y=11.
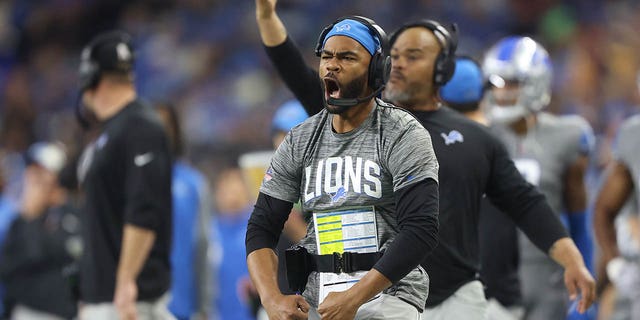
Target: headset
x=380, y=65
x=110, y=51
x=445, y=63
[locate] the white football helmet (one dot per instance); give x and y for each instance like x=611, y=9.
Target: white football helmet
x=518, y=70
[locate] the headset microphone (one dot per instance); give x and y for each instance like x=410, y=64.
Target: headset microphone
x=352, y=102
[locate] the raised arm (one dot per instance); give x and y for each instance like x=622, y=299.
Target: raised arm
x=272, y=30
x=286, y=57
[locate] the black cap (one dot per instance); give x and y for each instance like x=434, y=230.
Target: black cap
x=109, y=51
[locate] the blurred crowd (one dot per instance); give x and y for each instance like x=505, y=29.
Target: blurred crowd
x=206, y=58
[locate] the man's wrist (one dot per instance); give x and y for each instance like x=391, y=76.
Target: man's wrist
x=125, y=277
x=368, y=287
x=357, y=296
x=565, y=252
x=268, y=299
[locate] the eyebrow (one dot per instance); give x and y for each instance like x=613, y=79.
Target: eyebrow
x=410, y=50
x=341, y=53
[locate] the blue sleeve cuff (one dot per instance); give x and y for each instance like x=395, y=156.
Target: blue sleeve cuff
x=577, y=225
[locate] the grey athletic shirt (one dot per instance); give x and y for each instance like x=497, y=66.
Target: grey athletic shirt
x=331, y=171
x=627, y=151
x=543, y=156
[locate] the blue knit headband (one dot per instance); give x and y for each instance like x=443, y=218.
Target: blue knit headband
x=355, y=30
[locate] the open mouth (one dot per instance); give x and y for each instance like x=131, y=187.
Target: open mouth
x=331, y=87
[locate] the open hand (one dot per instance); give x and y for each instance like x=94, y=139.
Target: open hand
x=579, y=279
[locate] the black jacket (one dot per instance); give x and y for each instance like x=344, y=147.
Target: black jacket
x=37, y=262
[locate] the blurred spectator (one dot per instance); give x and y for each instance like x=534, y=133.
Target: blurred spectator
x=7, y=214
x=190, y=264
x=204, y=54
x=43, y=244
x=233, y=208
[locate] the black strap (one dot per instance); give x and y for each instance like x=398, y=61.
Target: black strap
x=345, y=262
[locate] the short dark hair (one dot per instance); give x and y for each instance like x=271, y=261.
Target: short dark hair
x=464, y=107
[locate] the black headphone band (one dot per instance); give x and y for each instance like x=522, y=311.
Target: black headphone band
x=448, y=40
x=377, y=31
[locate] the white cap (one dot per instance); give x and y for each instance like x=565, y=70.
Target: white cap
x=50, y=156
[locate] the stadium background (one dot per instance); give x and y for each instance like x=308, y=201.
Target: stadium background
x=205, y=56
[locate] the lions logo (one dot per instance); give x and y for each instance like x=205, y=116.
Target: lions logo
x=341, y=193
x=453, y=137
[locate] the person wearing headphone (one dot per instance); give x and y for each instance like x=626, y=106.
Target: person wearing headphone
x=366, y=174
x=125, y=175
x=473, y=163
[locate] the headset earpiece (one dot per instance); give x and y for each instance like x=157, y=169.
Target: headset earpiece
x=379, y=70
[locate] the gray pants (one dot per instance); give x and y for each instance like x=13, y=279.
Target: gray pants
x=496, y=311
x=21, y=312
x=468, y=303
x=147, y=310
x=382, y=308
